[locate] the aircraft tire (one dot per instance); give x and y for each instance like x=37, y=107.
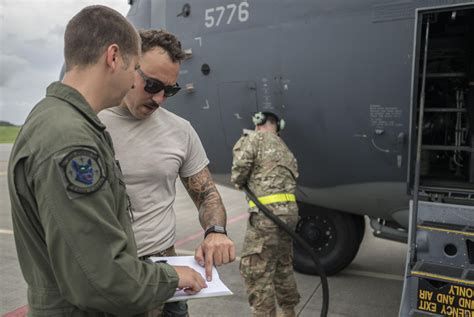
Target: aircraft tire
x=360, y=224
x=334, y=236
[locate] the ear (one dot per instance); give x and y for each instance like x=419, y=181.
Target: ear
x=112, y=56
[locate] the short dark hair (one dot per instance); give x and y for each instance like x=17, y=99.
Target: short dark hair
x=162, y=38
x=273, y=118
x=92, y=30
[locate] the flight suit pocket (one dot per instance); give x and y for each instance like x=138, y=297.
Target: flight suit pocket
x=117, y=183
x=119, y=173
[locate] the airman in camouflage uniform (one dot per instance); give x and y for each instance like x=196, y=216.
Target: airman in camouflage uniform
x=263, y=161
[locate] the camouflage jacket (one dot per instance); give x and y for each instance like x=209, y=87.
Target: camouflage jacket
x=264, y=162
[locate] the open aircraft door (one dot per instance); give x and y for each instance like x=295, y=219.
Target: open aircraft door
x=439, y=278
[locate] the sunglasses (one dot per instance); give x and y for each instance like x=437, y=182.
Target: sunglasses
x=154, y=86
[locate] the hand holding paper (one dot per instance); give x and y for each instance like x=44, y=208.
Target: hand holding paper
x=214, y=288
x=190, y=281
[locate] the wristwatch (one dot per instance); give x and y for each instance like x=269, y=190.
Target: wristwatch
x=215, y=229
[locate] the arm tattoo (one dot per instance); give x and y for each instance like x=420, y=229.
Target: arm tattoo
x=203, y=192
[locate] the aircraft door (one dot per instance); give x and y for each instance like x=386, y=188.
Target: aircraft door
x=238, y=101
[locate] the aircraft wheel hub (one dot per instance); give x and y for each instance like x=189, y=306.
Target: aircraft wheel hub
x=319, y=232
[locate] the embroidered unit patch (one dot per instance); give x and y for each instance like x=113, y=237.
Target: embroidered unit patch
x=83, y=172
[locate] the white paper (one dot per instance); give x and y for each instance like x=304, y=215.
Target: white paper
x=214, y=288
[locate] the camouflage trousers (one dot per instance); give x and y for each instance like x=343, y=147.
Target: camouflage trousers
x=267, y=266
x=174, y=309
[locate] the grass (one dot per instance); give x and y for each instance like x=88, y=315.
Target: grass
x=8, y=134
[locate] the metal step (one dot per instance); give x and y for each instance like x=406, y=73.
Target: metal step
x=441, y=280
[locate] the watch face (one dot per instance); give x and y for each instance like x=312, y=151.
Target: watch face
x=219, y=229
x=215, y=229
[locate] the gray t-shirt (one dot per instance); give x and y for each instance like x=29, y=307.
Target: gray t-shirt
x=152, y=153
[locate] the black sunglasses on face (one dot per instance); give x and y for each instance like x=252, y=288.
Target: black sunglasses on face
x=154, y=86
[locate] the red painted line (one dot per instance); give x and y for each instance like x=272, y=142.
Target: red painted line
x=245, y=215
x=19, y=312
x=199, y=234
x=188, y=239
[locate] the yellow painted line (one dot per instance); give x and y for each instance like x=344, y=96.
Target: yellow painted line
x=442, y=277
x=4, y=231
x=446, y=230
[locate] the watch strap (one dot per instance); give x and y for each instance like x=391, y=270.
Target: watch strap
x=215, y=229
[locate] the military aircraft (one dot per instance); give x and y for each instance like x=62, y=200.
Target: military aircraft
x=346, y=77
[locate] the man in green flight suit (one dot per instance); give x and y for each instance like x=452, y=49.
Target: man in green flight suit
x=71, y=214
x=263, y=161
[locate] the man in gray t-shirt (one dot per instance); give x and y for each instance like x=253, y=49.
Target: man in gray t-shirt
x=154, y=147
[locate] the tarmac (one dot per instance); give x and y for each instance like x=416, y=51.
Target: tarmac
x=370, y=286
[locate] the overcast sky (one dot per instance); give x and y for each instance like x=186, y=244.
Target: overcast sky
x=31, y=49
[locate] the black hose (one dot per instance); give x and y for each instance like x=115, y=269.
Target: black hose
x=301, y=242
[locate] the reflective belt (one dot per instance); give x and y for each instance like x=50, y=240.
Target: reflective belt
x=276, y=198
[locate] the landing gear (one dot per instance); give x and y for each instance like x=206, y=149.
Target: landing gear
x=334, y=236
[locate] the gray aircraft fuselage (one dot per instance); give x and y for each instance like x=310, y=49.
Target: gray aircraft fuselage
x=339, y=72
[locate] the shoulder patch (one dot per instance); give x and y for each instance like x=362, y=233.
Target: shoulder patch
x=83, y=172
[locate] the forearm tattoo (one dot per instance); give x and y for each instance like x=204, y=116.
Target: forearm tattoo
x=204, y=193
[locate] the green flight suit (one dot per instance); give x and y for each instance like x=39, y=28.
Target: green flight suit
x=71, y=217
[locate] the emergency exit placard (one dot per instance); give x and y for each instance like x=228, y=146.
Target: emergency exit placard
x=447, y=299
